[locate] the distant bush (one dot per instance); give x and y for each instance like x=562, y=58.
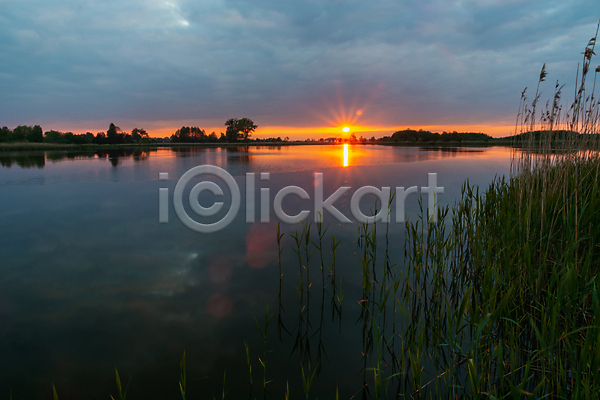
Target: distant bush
x=411, y=135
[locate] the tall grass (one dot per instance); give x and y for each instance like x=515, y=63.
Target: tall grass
x=506, y=304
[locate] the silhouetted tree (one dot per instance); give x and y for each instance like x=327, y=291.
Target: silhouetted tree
x=239, y=129
x=114, y=135
x=34, y=134
x=138, y=134
x=70, y=137
x=188, y=134
x=100, y=138
x=20, y=133
x=53, y=136
x=5, y=133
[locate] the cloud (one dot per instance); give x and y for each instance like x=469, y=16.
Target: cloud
x=410, y=62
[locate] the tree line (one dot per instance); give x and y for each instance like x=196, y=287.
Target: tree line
x=238, y=130
x=411, y=135
x=33, y=134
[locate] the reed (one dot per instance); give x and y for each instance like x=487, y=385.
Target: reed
x=182, y=378
x=264, y=331
x=122, y=394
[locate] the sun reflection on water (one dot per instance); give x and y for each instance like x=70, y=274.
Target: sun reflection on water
x=345, y=155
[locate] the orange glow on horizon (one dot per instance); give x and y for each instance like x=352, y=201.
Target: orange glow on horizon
x=166, y=129
x=367, y=131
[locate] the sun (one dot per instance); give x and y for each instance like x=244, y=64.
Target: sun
x=346, y=129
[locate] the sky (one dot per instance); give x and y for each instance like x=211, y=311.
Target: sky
x=301, y=69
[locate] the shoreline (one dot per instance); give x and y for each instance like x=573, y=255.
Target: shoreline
x=25, y=146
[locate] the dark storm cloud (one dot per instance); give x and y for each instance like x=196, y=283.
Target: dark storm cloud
x=408, y=62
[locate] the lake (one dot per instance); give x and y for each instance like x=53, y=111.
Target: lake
x=90, y=280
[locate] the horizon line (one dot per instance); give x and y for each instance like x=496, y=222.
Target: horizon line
x=297, y=132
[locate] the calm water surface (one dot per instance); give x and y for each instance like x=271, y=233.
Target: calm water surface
x=90, y=281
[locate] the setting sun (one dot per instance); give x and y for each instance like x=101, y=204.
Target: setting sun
x=346, y=129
